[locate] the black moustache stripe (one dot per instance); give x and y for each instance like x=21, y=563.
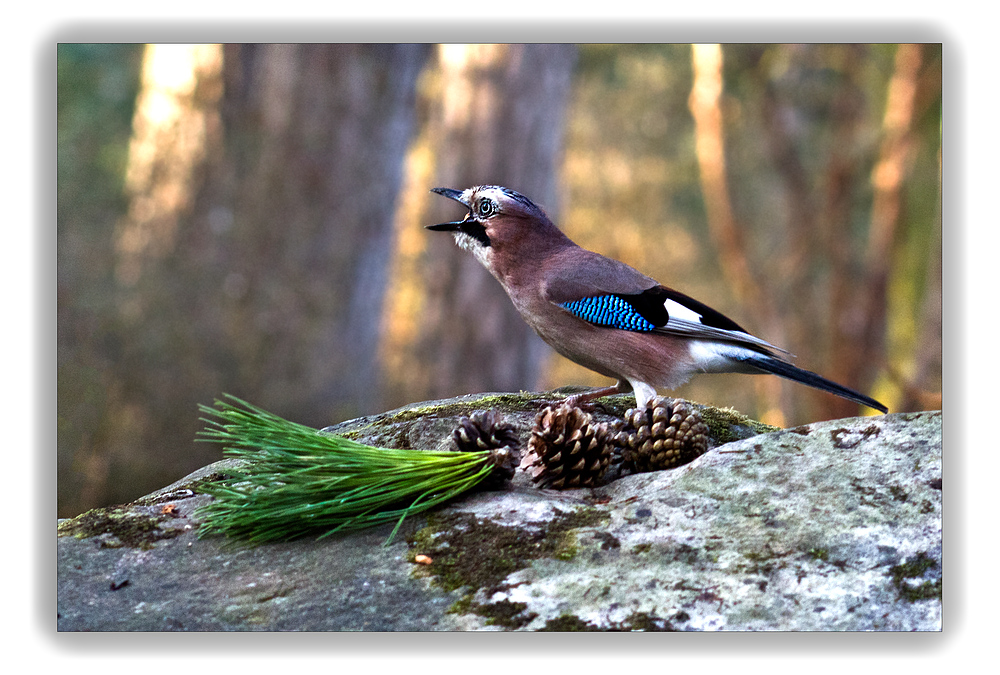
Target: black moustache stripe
x=477, y=231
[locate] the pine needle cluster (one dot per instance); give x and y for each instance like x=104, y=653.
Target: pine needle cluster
x=296, y=481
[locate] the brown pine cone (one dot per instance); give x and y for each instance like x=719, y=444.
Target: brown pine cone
x=484, y=431
x=665, y=435
x=568, y=449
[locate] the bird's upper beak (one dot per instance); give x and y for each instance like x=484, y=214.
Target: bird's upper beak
x=451, y=194
x=457, y=196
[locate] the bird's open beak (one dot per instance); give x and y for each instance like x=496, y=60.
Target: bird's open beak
x=450, y=194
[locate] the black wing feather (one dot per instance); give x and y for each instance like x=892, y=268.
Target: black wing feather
x=650, y=304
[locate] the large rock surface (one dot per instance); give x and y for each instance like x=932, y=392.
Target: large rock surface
x=831, y=526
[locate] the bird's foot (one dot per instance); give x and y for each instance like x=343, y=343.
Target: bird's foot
x=583, y=399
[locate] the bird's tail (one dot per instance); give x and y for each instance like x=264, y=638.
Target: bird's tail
x=769, y=364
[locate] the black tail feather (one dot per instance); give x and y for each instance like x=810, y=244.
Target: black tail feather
x=781, y=368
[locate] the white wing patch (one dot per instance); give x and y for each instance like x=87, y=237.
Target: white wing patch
x=678, y=311
x=685, y=321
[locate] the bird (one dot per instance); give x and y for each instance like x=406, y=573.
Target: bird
x=605, y=315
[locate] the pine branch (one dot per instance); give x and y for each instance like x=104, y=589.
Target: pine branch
x=297, y=481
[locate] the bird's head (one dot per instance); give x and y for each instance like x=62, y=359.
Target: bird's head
x=498, y=218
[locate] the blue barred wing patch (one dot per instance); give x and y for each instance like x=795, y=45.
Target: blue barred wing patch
x=609, y=310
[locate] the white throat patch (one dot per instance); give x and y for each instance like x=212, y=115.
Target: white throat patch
x=473, y=245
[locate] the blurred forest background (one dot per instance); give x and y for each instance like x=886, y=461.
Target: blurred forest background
x=248, y=219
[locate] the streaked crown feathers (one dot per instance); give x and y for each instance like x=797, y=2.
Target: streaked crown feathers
x=488, y=200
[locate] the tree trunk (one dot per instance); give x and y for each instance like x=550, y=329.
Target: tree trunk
x=254, y=255
x=318, y=138
x=728, y=235
x=499, y=120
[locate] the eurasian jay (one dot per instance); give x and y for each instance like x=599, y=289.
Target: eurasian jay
x=605, y=315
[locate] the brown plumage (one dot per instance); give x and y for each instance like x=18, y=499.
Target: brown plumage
x=603, y=314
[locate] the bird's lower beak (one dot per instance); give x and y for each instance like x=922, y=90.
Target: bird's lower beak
x=450, y=194
x=445, y=227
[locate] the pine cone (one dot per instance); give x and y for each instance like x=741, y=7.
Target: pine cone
x=484, y=431
x=666, y=435
x=568, y=448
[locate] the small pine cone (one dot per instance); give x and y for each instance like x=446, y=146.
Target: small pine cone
x=666, y=435
x=568, y=449
x=484, y=431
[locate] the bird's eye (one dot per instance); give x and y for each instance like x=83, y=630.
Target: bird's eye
x=486, y=208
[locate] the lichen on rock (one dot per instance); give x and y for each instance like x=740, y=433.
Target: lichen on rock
x=829, y=526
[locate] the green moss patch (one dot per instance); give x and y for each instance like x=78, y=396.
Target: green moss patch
x=128, y=528
x=510, y=615
x=567, y=623
x=502, y=401
x=723, y=424
x=392, y=429
x=639, y=621
x=472, y=552
x=901, y=574
x=819, y=554
x=477, y=553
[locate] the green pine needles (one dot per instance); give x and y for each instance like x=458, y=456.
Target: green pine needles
x=297, y=481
